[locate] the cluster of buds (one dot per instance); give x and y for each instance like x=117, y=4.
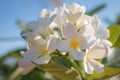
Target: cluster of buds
x=68, y=29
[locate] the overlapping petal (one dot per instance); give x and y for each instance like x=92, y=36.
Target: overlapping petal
x=87, y=66
x=98, y=67
x=98, y=52
x=95, y=22
x=87, y=31
x=103, y=33
x=63, y=45
x=106, y=43
x=69, y=31
x=51, y=44
x=89, y=62
x=73, y=11
x=42, y=60
x=76, y=55
x=60, y=18
x=83, y=21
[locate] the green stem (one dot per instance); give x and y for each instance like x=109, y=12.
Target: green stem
x=15, y=74
x=76, y=66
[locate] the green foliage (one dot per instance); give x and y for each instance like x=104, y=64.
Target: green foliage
x=15, y=54
x=61, y=72
x=118, y=20
x=108, y=72
x=117, y=43
x=35, y=74
x=113, y=60
x=97, y=9
x=114, y=34
x=61, y=60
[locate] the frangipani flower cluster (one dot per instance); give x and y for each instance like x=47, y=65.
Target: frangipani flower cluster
x=68, y=29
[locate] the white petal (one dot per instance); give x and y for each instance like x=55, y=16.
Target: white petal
x=98, y=67
x=30, y=36
x=66, y=7
x=51, y=44
x=44, y=22
x=69, y=31
x=103, y=33
x=76, y=55
x=42, y=60
x=73, y=17
x=87, y=66
x=44, y=12
x=27, y=66
x=44, y=31
x=86, y=31
x=32, y=25
x=106, y=43
x=83, y=20
x=52, y=17
x=95, y=21
x=86, y=42
x=73, y=12
x=39, y=40
x=46, y=18
x=60, y=18
x=74, y=6
x=98, y=52
x=37, y=43
x=30, y=55
x=63, y=45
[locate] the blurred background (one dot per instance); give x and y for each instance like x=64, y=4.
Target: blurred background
x=27, y=10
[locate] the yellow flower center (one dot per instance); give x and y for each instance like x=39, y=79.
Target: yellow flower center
x=88, y=55
x=79, y=24
x=74, y=44
x=44, y=51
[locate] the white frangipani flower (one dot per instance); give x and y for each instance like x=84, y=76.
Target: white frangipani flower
x=60, y=18
x=83, y=21
x=46, y=18
x=96, y=52
x=44, y=21
x=73, y=12
x=76, y=33
x=39, y=53
x=74, y=42
x=41, y=26
x=42, y=50
x=101, y=34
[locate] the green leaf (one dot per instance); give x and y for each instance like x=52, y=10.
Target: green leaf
x=15, y=54
x=117, y=43
x=108, y=72
x=95, y=10
x=62, y=60
x=61, y=72
x=114, y=33
x=35, y=75
x=113, y=59
x=21, y=25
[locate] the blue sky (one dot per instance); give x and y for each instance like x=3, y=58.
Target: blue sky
x=27, y=10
